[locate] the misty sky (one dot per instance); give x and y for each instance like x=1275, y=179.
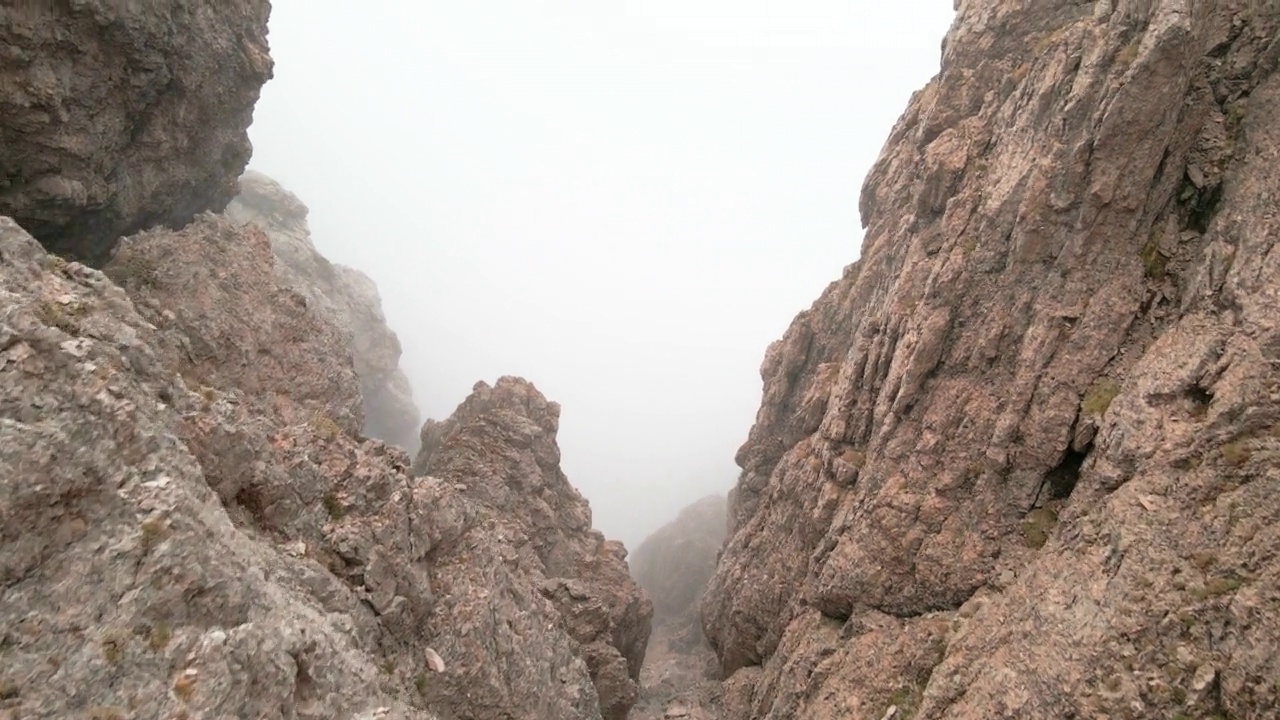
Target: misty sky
x=624, y=201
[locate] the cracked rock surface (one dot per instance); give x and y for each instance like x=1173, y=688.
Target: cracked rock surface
x=119, y=116
x=1020, y=460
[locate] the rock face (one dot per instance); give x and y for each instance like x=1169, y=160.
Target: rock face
x=190, y=525
x=119, y=116
x=125, y=589
x=674, y=564
x=236, y=323
x=1020, y=460
x=347, y=297
x=499, y=448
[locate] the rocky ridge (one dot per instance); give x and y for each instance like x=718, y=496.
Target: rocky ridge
x=192, y=522
x=1019, y=461
x=346, y=296
x=237, y=549
x=119, y=116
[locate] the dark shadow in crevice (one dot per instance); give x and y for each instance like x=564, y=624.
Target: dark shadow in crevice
x=1199, y=398
x=1202, y=209
x=1060, y=482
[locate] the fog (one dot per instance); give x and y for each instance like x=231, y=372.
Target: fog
x=623, y=201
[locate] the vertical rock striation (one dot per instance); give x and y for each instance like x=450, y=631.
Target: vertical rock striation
x=1020, y=460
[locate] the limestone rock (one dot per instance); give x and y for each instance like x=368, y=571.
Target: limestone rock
x=213, y=290
x=120, y=116
x=348, y=297
x=1019, y=461
x=499, y=449
x=125, y=589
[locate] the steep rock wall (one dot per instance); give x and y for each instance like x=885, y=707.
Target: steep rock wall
x=1020, y=461
x=119, y=116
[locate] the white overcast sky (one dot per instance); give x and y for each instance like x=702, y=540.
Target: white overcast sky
x=624, y=201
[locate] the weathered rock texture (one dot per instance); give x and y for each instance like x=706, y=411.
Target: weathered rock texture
x=125, y=589
x=119, y=116
x=236, y=323
x=674, y=564
x=499, y=447
x=191, y=526
x=346, y=296
x=1020, y=461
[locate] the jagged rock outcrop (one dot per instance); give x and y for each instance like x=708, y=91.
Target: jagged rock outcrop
x=499, y=447
x=674, y=564
x=348, y=297
x=236, y=324
x=190, y=523
x=1020, y=461
x=120, y=116
x=125, y=589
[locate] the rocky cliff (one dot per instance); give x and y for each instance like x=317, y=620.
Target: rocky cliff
x=191, y=525
x=118, y=116
x=346, y=296
x=1020, y=460
x=499, y=448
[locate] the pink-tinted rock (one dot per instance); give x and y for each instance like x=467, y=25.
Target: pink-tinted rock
x=1018, y=462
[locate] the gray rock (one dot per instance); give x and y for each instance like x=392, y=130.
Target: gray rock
x=348, y=297
x=120, y=116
